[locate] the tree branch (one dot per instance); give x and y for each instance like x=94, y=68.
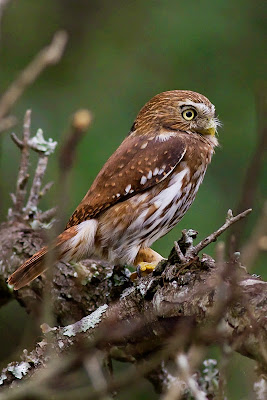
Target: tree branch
x=48, y=56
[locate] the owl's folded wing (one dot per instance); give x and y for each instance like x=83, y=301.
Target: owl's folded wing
x=138, y=164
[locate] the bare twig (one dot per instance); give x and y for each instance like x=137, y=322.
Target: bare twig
x=7, y=123
x=249, y=189
x=23, y=175
x=48, y=56
x=230, y=220
x=45, y=189
x=47, y=215
x=34, y=196
x=186, y=375
x=3, y=4
x=255, y=243
x=44, y=148
x=179, y=252
x=81, y=121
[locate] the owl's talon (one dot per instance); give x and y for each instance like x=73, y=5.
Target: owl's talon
x=143, y=269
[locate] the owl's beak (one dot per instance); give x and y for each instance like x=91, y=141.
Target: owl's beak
x=210, y=128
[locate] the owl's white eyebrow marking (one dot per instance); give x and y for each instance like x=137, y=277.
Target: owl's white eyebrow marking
x=143, y=180
x=198, y=106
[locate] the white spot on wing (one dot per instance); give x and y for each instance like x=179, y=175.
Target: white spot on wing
x=143, y=180
x=144, y=145
x=156, y=171
x=127, y=189
x=162, y=169
x=149, y=175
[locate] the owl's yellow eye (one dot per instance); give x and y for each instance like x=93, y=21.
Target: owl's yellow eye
x=189, y=114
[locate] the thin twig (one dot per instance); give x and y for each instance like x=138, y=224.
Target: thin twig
x=45, y=189
x=48, y=56
x=47, y=215
x=230, y=220
x=251, y=181
x=254, y=245
x=81, y=121
x=34, y=196
x=23, y=175
x=186, y=375
x=3, y=4
x=16, y=140
x=179, y=252
x=7, y=123
x=44, y=148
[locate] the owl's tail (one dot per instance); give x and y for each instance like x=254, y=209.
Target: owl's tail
x=28, y=271
x=39, y=262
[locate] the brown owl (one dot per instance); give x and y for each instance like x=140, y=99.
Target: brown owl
x=143, y=190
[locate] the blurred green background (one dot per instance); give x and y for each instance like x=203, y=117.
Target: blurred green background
x=119, y=55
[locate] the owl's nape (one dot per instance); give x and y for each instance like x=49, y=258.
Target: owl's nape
x=143, y=190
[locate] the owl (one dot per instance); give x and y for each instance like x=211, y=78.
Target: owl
x=143, y=190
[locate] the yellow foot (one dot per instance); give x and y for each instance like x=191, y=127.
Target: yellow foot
x=143, y=269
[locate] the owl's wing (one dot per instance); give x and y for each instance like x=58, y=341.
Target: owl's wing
x=138, y=164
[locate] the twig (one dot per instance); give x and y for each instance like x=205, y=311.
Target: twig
x=186, y=375
x=7, y=123
x=179, y=252
x=254, y=244
x=23, y=175
x=47, y=215
x=3, y=4
x=81, y=121
x=251, y=181
x=230, y=220
x=48, y=56
x=45, y=189
x=44, y=148
x=36, y=184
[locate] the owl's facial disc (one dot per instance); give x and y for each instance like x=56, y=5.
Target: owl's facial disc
x=210, y=128
x=200, y=117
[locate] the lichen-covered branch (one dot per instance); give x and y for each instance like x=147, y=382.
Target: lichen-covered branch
x=44, y=148
x=159, y=307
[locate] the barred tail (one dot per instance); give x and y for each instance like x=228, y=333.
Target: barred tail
x=28, y=271
x=37, y=264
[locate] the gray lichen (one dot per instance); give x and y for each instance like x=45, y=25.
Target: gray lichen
x=90, y=321
x=17, y=369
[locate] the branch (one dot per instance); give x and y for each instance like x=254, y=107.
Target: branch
x=252, y=176
x=50, y=55
x=230, y=220
x=257, y=241
x=44, y=148
x=178, y=311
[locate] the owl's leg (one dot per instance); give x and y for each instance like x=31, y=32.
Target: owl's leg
x=145, y=261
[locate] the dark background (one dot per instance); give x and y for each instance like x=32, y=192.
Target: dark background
x=119, y=55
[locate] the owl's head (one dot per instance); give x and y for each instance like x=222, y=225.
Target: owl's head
x=181, y=110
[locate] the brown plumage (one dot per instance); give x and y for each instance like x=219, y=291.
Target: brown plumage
x=144, y=188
